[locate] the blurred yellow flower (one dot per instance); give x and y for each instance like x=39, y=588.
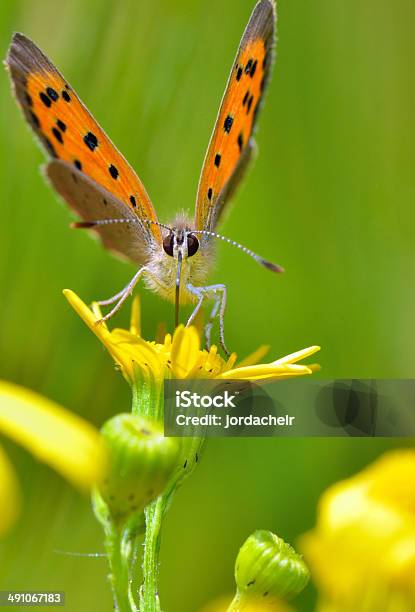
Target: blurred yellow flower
x=222, y=605
x=53, y=435
x=181, y=356
x=9, y=494
x=362, y=551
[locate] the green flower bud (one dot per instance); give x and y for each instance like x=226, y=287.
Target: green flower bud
x=268, y=567
x=141, y=461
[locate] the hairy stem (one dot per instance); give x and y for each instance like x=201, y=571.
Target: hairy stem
x=149, y=597
x=119, y=574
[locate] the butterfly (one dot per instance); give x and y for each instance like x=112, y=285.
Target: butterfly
x=92, y=176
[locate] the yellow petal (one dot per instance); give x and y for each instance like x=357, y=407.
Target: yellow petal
x=265, y=372
x=299, y=355
x=132, y=351
x=161, y=332
x=89, y=317
x=97, y=312
x=9, y=494
x=231, y=362
x=167, y=342
x=184, y=351
x=135, y=321
x=54, y=435
x=101, y=331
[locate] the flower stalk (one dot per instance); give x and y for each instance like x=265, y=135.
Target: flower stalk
x=149, y=597
x=119, y=569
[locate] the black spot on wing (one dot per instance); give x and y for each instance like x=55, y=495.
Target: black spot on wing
x=227, y=126
x=249, y=105
x=241, y=141
x=218, y=159
x=91, y=141
x=78, y=164
x=61, y=125
x=249, y=65
x=113, y=171
x=210, y=193
x=246, y=96
x=57, y=134
x=45, y=99
x=133, y=201
x=253, y=69
x=239, y=73
x=53, y=95
x=66, y=96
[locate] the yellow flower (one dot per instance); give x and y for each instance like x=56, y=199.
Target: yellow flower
x=52, y=434
x=362, y=551
x=181, y=356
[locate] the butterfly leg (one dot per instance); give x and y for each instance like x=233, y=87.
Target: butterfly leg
x=112, y=299
x=209, y=324
x=123, y=295
x=201, y=299
x=219, y=294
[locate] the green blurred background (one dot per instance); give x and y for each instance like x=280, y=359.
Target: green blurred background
x=331, y=198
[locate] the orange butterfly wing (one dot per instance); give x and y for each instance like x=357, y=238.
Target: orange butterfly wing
x=231, y=146
x=69, y=132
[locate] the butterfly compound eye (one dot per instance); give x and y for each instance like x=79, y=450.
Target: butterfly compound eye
x=192, y=245
x=168, y=244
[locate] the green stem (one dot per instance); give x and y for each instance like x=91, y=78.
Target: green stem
x=119, y=575
x=149, y=597
x=148, y=401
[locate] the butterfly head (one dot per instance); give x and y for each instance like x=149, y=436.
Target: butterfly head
x=180, y=243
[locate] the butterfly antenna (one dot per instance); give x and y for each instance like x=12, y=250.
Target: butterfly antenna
x=263, y=262
x=151, y=222
x=90, y=224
